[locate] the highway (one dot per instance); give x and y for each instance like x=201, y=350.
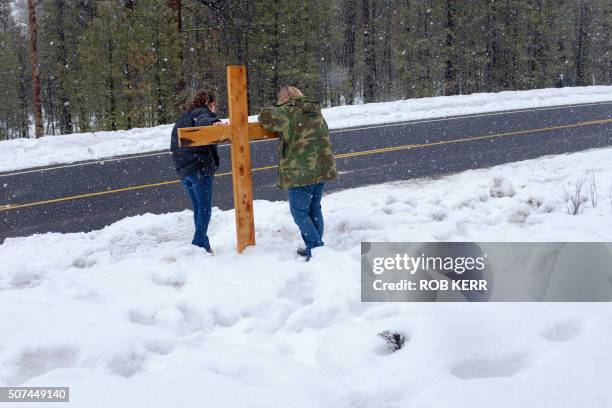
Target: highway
x=89, y=195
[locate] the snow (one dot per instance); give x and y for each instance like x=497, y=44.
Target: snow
x=133, y=316
x=50, y=150
x=501, y=187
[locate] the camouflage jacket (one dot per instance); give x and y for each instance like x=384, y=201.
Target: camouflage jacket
x=305, y=154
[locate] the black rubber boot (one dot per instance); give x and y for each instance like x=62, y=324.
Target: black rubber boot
x=304, y=252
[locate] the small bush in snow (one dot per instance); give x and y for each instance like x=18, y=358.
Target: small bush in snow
x=395, y=340
x=501, y=187
x=573, y=196
x=593, y=190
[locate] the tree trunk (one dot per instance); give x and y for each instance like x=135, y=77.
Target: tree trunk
x=66, y=116
x=349, y=53
x=581, y=45
x=450, y=72
x=275, y=53
x=161, y=110
x=111, y=85
x=50, y=112
x=23, y=93
x=370, y=53
x=607, y=65
x=388, y=70
x=35, y=76
x=179, y=87
x=127, y=69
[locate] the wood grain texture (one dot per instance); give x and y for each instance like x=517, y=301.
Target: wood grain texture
x=241, y=156
x=204, y=135
x=257, y=132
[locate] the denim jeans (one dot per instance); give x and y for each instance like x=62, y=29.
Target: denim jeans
x=305, y=206
x=199, y=187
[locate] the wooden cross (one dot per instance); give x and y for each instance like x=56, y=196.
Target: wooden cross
x=239, y=132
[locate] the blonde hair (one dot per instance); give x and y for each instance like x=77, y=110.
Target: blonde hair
x=287, y=93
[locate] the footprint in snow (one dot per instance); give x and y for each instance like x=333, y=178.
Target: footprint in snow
x=562, y=331
x=488, y=367
x=299, y=290
x=127, y=363
x=40, y=360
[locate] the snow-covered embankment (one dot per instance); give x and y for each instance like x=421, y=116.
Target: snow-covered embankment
x=28, y=153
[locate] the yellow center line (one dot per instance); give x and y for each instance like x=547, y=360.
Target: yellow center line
x=470, y=139
x=338, y=156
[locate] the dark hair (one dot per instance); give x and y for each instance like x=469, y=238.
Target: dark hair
x=202, y=98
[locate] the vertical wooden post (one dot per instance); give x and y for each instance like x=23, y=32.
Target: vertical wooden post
x=241, y=156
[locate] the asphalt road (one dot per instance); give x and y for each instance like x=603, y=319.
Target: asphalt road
x=89, y=195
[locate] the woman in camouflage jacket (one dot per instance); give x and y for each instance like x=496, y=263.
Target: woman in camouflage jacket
x=306, y=160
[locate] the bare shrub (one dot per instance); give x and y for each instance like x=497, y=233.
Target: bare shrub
x=573, y=197
x=593, y=197
x=395, y=340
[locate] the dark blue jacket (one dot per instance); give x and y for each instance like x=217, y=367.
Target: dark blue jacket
x=188, y=159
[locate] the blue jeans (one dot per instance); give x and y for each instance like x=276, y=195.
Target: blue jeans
x=199, y=187
x=305, y=206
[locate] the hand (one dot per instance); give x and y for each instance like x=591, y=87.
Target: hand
x=219, y=123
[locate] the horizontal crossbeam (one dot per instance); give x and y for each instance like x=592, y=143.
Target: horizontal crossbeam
x=205, y=135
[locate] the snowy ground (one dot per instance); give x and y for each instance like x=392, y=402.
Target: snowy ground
x=132, y=316
x=27, y=153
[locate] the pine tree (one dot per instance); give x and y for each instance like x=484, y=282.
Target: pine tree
x=13, y=67
x=101, y=49
x=113, y=64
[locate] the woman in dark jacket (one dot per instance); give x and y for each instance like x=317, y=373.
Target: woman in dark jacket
x=197, y=165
